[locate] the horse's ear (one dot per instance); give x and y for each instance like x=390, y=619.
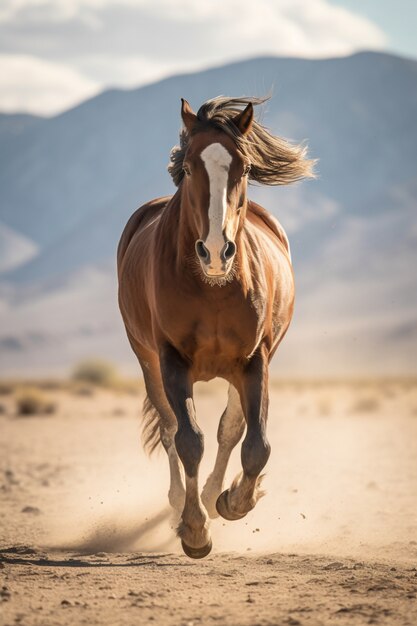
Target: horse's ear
x=244, y=120
x=189, y=118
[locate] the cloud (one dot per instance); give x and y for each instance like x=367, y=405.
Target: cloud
x=39, y=86
x=130, y=42
x=15, y=249
x=129, y=71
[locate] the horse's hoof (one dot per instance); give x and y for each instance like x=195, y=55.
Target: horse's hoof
x=223, y=509
x=197, y=553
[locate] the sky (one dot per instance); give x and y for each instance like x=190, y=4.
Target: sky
x=56, y=53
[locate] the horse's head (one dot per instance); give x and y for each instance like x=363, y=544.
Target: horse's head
x=221, y=148
x=214, y=183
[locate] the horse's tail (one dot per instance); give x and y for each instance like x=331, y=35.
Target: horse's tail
x=150, y=430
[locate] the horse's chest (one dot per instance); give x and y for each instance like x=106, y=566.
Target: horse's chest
x=213, y=336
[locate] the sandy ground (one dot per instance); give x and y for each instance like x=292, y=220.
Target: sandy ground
x=86, y=536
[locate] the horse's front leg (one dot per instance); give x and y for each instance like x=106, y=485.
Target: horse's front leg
x=193, y=529
x=236, y=502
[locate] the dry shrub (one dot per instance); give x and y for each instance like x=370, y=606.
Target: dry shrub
x=365, y=404
x=95, y=372
x=6, y=387
x=32, y=401
x=98, y=373
x=80, y=389
x=52, y=384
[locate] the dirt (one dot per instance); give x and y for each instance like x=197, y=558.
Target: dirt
x=86, y=535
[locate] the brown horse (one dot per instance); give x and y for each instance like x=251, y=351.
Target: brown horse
x=206, y=289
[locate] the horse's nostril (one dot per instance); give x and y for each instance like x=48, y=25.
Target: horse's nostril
x=229, y=250
x=201, y=250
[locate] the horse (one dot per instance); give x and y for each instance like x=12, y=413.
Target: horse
x=206, y=289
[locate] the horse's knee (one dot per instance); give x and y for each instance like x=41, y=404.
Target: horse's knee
x=255, y=453
x=190, y=447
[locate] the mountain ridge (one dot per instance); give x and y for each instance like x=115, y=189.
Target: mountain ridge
x=71, y=181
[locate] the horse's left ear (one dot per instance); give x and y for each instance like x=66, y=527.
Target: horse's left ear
x=244, y=120
x=189, y=118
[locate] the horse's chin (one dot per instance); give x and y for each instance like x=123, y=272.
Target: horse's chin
x=217, y=280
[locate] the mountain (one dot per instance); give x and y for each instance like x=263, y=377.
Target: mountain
x=69, y=183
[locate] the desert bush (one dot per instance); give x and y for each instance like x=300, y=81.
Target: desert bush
x=95, y=372
x=80, y=389
x=52, y=384
x=6, y=387
x=32, y=401
x=365, y=404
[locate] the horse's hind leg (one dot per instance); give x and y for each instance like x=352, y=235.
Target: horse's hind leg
x=193, y=528
x=167, y=425
x=245, y=491
x=231, y=427
x=160, y=417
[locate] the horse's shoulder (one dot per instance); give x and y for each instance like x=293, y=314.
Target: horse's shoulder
x=145, y=212
x=257, y=213
x=138, y=219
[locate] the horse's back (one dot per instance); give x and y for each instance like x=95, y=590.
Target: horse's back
x=137, y=221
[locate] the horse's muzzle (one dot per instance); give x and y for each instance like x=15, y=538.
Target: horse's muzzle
x=215, y=264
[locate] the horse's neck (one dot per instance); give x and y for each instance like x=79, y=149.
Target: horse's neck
x=187, y=231
x=176, y=228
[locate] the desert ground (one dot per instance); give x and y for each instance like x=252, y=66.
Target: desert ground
x=86, y=536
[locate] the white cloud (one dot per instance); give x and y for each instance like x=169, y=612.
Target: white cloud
x=130, y=71
x=109, y=42
x=15, y=249
x=38, y=86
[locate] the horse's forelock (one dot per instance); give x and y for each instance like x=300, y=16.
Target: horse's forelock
x=274, y=161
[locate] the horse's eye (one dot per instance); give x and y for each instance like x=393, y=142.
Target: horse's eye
x=186, y=170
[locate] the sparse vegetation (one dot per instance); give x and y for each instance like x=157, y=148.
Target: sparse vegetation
x=95, y=372
x=81, y=389
x=366, y=404
x=6, y=387
x=99, y=373
x=32, y=401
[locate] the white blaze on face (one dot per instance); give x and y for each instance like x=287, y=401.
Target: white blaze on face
x=217, y=162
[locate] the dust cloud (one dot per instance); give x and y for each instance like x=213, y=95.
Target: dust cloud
x=342, y=477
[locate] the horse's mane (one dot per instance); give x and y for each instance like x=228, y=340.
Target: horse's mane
x=274, y=161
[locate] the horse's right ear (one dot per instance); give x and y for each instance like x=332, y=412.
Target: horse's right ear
x=189, y=118
x=244, y=119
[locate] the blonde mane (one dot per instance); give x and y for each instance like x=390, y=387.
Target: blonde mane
x=274, y=161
